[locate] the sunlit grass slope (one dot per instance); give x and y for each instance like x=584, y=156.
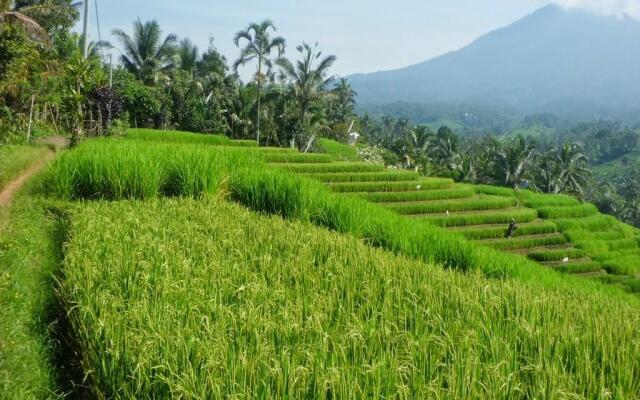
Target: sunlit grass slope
x=210, y=300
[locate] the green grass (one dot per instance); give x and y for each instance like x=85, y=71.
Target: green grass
x=622, y=266
x=482, y=202
x=526, y=242
x=250, y=183
x=212, y=301
x=493, y=190
x=580, y=211
x=397, y=186
x=332, y=167
x=618, y=254
x=279, y=157
x=341, y=150
x=537, y=200
x=498, y=232
x=151, y=135
x=594, y=223
x=552, y=255
x=521, y=215
x=579, y=267
x=417, y=195
x=622, y=244
x=15, y=159
x=28, y=260
x=112, y=170
x=364, y=176
x=583, y=234
x=592, y=246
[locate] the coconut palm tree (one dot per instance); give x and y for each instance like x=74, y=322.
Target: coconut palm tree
x=515, y=160
x=258, y=47
x=343, y=100
x=145, y=54
x=26, y=14
x=564, y=169
x=307, y=79
x=188, y=54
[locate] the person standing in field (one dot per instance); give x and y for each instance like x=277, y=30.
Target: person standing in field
x=512, y=228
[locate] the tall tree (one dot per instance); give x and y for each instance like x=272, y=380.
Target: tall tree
x=308, y=78
x=343, y=101
x=259, y=46
x=515, y=160
x=564, y=169
x=37, y=15
x=212, y=64
x=188, y=54
x=146, y=55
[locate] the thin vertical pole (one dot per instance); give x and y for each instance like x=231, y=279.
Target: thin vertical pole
x=85, y=29
x=33, y=99
x=110, y=70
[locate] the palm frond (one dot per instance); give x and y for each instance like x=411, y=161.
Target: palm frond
x=32, y=28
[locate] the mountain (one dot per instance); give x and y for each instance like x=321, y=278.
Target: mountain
x=555, y=60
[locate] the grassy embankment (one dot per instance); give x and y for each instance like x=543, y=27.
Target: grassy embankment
x=28, y=259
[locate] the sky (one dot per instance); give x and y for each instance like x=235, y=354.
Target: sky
x=365, y=35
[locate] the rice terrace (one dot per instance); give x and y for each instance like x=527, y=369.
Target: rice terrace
x=174, y=225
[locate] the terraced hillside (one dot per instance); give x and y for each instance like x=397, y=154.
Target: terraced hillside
x=191, y=269
x=556, y=231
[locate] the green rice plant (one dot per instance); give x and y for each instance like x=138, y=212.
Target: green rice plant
x=583, y=234
x=113, y=170
x=592, y=246
x=628, y=283
x=482, y=202
x=581, y=211
x=364, y=176
x=349, y=215
x=15, y=159
x=153, y=135
x=211, y=301
x=598, y=222
x=279, y=157
x=526, y=242
x=622, y=266
x=398, y=186
x=498, y=232
x=493, y=190
x=579, y=267
x=332, y=167
x=620, y=244
x=618, y=254
x=551, y=255
x=537, y=200
x=273, y=193
x=417, y=195
x=521, y=215
x=341, y=150
x=247, y=143
x=272, y=150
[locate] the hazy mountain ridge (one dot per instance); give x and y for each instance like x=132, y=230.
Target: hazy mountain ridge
x=557, y=60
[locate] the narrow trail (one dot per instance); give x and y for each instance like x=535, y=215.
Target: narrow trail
x=8, y=193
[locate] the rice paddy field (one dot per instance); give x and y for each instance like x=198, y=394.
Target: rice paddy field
x=179, y=265
x=557, y=231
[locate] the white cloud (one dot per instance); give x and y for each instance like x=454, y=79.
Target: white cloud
x=616, y=8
